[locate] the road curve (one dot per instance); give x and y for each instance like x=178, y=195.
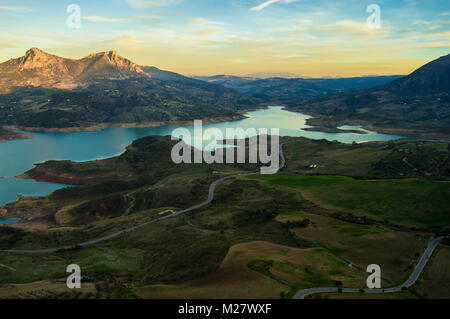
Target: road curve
x=210, y=198
x=301, y=294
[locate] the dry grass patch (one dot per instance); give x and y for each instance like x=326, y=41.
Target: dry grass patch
x=41, y=289
x=291, y=268
x=435, y=282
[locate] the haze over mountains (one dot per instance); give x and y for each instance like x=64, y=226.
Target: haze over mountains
x=288, y=91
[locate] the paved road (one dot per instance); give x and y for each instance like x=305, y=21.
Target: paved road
x=210, y=198
x=301, y=294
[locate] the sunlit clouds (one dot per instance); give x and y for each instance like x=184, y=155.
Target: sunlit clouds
x=312, y=38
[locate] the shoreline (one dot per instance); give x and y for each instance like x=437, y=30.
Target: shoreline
x=10, y=135
x=99, y=127
x=241, y=114
x=317, y=123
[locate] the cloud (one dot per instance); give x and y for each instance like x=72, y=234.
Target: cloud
x=141, y=4
x=268, y=3
x=203, y=21
x=206, y=32
x=16, y=8
x=432, y=45
x=347, y=28
x=104, y=19
x=204, y=28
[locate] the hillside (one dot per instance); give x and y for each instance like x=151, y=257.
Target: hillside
x=415, y=105
x=43, y=91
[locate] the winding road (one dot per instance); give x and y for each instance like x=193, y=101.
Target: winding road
x=210, y=198
x=301, y=294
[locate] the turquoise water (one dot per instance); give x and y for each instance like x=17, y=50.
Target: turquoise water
x=9, y=221
x=18, y=156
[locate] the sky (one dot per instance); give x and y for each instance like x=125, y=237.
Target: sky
x=309, y=38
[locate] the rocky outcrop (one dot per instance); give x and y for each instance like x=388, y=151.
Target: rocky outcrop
x=40, y=69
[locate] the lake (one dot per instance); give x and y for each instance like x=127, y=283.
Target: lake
x=9, y=221
x=18, y=156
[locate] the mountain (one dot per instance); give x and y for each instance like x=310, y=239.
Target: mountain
x=40, y=91
x=230, y=81
x=289, y=91
x=109, y=66
x=168, y=76
x=40, y=69
x=267, y=75
x=415, y=105
x=432, y=78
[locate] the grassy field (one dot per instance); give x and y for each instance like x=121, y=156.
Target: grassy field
x=397, y=295
x=434, y=282
x=369, y=160
x=407, y=201
x=44, y=290
x=332, y=158
x=262, y=270
x=363, y=245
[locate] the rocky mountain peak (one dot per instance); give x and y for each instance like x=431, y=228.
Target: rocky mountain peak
x=123, y=67
x=36, y=58
x=34, y=52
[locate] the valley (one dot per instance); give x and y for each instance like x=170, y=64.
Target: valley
x=55, y=94
x=243, y=159
x=253, y=233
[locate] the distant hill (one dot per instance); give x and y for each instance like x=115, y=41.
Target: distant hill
x=267, y=75
x=44, y=91
x=230, y=81
x=289, y=91
x=417, y=104
x=168, y=76
x=432, y=78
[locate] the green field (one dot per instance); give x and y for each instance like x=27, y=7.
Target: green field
x=407, y=201
x=363, y=245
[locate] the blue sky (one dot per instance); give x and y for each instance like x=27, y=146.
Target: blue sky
x=305, y=37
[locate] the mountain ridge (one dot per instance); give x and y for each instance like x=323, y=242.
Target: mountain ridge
x=41, y=69
x=41, y=91
x=288, y=91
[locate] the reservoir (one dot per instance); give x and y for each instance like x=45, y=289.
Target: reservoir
x=18, y=156
x=9, y=221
